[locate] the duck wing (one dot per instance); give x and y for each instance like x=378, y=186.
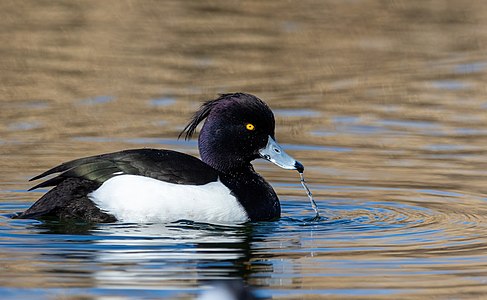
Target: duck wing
x=165, y=165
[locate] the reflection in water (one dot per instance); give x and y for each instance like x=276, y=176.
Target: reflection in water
x=155, y=257
x=198, y=253
x=383, y=102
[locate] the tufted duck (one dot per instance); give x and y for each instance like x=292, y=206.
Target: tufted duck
x=149, y=185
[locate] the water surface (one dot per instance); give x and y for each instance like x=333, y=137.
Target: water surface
x=383, y=102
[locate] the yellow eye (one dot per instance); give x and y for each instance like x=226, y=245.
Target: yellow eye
x=250, y=126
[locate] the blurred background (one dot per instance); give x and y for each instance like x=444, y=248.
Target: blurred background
x=384, y=102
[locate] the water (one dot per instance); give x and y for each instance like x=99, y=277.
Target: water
x=310, y=196
x=384, y=103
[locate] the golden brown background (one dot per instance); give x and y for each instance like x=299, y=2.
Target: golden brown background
x=384, y=102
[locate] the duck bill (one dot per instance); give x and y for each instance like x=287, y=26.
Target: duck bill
x=275, y=154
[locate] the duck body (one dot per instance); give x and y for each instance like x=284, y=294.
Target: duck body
x=159, y=186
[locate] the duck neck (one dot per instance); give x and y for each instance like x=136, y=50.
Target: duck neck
x=254, y=193
x=227, y=166
x=224, y=159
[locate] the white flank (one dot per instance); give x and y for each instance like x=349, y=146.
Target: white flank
x=139, y=199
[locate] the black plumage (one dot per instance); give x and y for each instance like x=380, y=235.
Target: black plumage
x=227, y=147
x=82, y=176
x=165, y=165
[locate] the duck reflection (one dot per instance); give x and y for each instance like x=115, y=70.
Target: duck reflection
x=178, y=256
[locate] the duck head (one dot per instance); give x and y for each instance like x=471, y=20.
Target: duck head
x=238, y=128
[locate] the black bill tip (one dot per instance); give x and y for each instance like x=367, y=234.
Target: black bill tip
x=299, y=166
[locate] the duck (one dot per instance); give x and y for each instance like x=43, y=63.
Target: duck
x=162, y=186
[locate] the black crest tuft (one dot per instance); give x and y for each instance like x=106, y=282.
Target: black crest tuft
x=202, y=113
